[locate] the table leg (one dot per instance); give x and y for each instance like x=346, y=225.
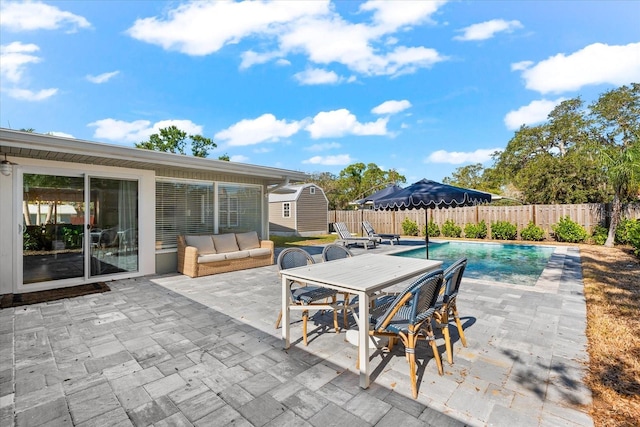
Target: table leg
x=286, y=315
x=363, y=338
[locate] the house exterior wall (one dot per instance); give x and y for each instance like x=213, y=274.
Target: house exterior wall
x=312, y=212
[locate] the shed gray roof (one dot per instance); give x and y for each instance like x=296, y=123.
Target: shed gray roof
x=290, y=193
x=48, y=147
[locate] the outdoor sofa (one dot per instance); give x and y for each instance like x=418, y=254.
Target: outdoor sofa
x=204, y=254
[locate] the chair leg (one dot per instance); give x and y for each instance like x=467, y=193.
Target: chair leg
x=447, y=343
x=410, y=354
x=279, y=319
x=335, y=316
x=463, y=339
x=434, y=347
x=305, y=318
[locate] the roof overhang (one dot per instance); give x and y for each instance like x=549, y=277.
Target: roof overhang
x=55, y=148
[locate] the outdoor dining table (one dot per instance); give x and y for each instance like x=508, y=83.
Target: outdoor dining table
x=362, y=275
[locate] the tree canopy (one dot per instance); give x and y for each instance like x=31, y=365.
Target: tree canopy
x=173, y=140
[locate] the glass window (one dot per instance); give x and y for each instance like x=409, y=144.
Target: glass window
x=182, y=207
x=239, y=208
x=312, y=190
x=286, y=210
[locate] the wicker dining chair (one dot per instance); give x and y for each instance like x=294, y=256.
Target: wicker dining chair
x=446, y=305
x=407, y=316
x=306, y=295
x=333, y=252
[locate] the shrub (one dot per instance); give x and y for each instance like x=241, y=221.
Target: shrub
x=503, y=230
x=432, y=228
x=622, y=231
x=450, y=229
x=532, y=232
x=633, y=230
x=569, y=231
x=599, y=235
x=476, y=231
x=409, y=227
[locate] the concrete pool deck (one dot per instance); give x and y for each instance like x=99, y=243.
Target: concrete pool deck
x=170, y=350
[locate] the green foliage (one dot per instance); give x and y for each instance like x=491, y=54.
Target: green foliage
x=225, y=157
x=474, y=177
x=173, y=140
x=450, y=229
x=532, y=232
x=409, y=227
x=623, y=229
x=633, y=231
x=432, y=229
x=476, y=231
x=569, y=231
x=599, y=235
x=355, y=182
x=503, y=230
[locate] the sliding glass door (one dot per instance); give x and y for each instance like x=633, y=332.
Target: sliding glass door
x=77, y=227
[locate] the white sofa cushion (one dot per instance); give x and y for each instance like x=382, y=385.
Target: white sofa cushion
x=237, y=255
x=248, y=240
x=204, y=244
x=259, y=252
x=225, y=243
x=203, y=259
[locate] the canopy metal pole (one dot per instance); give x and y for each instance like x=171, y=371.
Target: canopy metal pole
x=426, y=230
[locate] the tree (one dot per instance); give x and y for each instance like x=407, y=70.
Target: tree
x=616, y=129
x=173, y=140
x=224, y=157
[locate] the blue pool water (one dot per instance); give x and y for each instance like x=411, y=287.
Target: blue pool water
x=514, y=264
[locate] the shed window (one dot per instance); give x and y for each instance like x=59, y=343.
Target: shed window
x=312, y=190
x=286, y=210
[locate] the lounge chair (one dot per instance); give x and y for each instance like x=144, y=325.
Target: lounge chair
x=368, y=229
x=346, y=239
x=314, y=297
x=446, y=304
x=407, y=316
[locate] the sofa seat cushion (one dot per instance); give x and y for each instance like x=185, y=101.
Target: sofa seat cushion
x=237, y=255
x=203, y=259
x=259, y=252
x=225, y=243
x=204, y=244
x=248, y=240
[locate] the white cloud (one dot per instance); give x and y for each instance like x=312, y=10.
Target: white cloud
x=139, y=130
x=28, y=16
x=239, y=158
x=338, y=160
x=265, y=128
x=488, y=29
x=316, y=76
x=29, y=95
x=535, y=112
x=341, y=122
x=458, y=157
x=391, y=107
x=102, y=78
x=595, y=64
x=202, y=28
x=323, y=147
x=310, y=28
x=62, y=134
x=13, y=59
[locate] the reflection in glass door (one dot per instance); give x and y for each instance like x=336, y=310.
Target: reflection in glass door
x=114, y=225
x=53, y=227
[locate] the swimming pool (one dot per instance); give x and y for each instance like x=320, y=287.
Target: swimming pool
x=505, y=263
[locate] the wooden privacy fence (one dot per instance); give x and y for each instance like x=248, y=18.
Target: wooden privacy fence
x=545, y=216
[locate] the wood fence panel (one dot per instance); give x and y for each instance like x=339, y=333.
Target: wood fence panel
x=544, y=216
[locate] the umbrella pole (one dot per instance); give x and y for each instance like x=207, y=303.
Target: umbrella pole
x=426, y=230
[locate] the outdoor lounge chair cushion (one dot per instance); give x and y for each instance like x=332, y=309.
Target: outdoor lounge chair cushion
x=204, y=244
x=203, y=259
x=248, y=240
x=225, y=243
x=258, y=252
x=237, y=255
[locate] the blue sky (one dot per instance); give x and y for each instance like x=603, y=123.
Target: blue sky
x=423, y=87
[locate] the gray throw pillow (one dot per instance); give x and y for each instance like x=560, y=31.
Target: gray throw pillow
x=248, y=240
x=203, y=243
x=225, y=243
